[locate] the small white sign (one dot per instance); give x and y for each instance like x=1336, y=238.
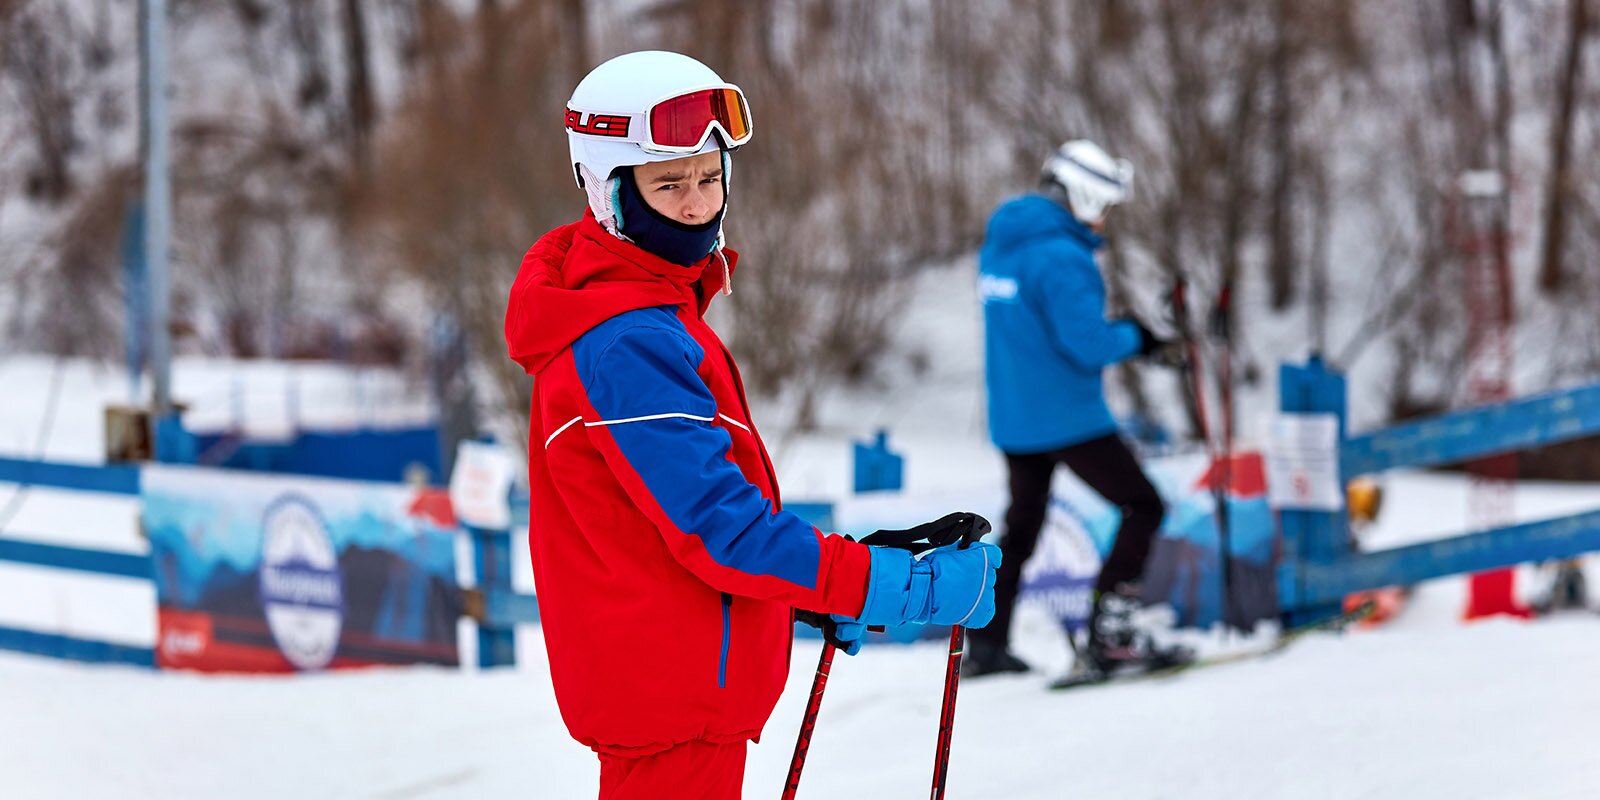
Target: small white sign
x=480, y=484
x=1303, y=463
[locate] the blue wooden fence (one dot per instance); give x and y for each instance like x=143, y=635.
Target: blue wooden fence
x=77, y=477
x=1319, y=568
x=492, y=562
x=501, y=609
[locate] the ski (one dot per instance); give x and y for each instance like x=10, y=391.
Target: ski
x=1159, y=670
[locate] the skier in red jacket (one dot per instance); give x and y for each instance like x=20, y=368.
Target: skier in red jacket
x=667, y=573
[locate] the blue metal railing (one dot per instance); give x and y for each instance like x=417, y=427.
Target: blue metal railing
x=1318, y=567
x=1476, y=432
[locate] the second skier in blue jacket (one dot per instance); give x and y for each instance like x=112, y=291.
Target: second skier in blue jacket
x=1047, y=341
x=1046, y=338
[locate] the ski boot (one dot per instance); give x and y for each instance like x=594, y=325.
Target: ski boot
x=987, y=658
x=1120, y=642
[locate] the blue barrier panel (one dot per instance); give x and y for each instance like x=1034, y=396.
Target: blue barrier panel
x=111, y=479
x=1471, y=433
x=1319, y=536
x=127, y=565
x=491, y=561
x=819, y=515
x=365, y=454
x=505, y=609
x=1563, y=537
x=72, y=648
x=878, y=469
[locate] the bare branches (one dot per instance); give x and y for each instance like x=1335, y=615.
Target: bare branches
x=1559, y=182
x=39, y=64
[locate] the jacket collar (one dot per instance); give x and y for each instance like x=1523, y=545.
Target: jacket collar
x=1062, y=217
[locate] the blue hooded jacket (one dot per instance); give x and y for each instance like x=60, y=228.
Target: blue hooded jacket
x=1046, y=336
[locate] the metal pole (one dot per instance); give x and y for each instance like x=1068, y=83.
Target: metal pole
x=157, y=202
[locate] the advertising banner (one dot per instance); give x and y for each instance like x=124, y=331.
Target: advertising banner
x=277, y=574
x=1185, y=567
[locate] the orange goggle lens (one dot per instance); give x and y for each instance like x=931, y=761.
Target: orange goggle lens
x=681, y=122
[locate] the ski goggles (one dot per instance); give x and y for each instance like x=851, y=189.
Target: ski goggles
x=677, y=124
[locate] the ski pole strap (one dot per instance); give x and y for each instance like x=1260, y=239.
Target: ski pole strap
x=964, y=527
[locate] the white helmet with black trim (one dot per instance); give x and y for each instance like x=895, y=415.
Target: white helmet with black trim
x=1092, y=180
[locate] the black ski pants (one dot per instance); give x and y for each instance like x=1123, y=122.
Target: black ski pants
x=1110, y=469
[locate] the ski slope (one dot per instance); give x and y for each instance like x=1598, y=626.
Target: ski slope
x=1495, y=709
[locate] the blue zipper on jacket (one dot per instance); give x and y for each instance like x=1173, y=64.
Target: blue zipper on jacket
x=727, y=632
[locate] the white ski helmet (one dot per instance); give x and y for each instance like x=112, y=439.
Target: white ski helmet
x=644, y=107
x=1092, y=180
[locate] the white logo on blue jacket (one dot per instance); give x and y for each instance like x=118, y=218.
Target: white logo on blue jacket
x=996, y=289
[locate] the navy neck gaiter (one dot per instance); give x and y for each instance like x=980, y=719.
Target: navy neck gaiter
x=659, y=235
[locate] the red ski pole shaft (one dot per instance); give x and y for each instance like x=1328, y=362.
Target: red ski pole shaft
x=952, y=681
x=803, y=744
x=947, y=710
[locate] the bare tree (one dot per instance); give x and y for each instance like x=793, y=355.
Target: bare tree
x=358, y=92
x=475, y=170
x=1559, y=182
x=37, y=55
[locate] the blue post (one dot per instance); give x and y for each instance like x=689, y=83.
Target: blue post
x=491, y=562
x=134, y=300
x=876, y=468
x=174, y=444
x=1310, y=537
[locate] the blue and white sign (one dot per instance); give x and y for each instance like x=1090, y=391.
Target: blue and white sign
x=302, y=593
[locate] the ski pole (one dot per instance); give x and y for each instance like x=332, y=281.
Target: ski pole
x=927, y=536
x=1220, y=458
x=1194, y=379
x=952, y=682
x=1222, y=481
x=802, y=744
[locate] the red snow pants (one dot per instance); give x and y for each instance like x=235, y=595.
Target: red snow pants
x=691, y=771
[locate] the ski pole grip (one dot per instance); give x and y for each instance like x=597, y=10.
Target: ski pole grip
x=975, y=531
x=963, y=527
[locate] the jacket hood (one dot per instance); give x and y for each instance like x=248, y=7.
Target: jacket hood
x=1034, y=215
x=579, y=275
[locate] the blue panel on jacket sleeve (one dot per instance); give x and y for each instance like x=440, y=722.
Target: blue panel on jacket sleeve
x=643, y=365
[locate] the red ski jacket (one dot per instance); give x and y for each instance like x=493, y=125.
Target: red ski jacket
x=666, y=572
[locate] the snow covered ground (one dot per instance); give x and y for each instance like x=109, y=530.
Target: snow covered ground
x=1495, y=709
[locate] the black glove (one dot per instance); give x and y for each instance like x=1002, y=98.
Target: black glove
x=1168, y=353
x=1164, y=352
x=829, y=628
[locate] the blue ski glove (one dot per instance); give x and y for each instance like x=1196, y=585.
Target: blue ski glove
x=946, y=586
